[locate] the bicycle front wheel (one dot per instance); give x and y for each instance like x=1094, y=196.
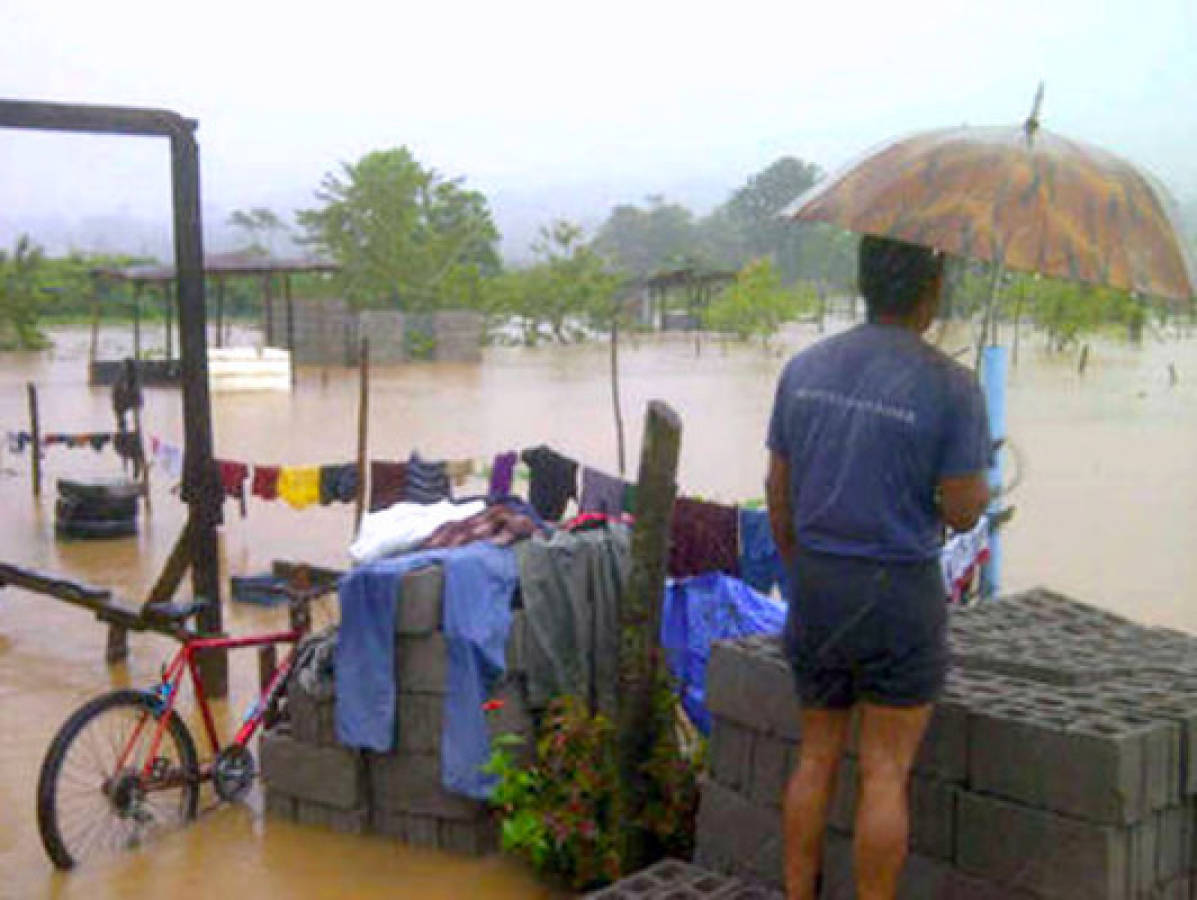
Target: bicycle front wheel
x=92, y=798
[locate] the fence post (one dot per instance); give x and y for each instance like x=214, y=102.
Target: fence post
x=36, y=430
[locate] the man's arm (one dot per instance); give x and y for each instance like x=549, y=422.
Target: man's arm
x=962, y=499
x=781, y=509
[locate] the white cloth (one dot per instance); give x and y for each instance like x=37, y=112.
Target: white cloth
x=404, y=526
x=962, y=552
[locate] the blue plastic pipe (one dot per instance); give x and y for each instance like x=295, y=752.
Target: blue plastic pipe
x=994, y=366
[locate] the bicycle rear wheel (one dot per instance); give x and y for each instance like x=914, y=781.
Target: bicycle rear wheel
x=89, y=803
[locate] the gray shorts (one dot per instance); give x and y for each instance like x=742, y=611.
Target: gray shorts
x=862, y=629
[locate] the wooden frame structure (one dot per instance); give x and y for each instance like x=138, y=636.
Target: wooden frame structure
x=196, y=547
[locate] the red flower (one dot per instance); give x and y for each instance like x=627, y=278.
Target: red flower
x=493, y=705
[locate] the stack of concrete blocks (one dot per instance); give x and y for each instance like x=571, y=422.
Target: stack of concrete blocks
x=672, y=879
x=398, y=794
x=1061, y=762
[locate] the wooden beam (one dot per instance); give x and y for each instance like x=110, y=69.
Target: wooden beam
x=290, y=323
x=201, y=481
x=173, y=569
x=94, y=119
x=137, y=325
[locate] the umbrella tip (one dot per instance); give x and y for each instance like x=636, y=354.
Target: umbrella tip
x=1032, y=123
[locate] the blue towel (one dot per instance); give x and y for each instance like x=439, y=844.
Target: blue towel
x=761, y=565
x=480, y=580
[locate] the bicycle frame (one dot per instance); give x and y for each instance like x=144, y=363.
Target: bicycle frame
x=183, y=662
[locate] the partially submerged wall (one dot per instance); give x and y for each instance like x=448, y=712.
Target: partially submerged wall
x=311, y=779
x=327, y=333
x=1061, y=762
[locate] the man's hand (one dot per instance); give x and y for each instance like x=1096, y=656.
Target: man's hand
x=781, y=509
x=962, y=499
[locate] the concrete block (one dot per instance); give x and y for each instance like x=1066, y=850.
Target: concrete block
x=421, y=663
x=410, y=828
x=513, y=717
x=731, y=829
x=313, y=719
x=1040, y=852
x=330, y=776
x=278, y=805
x=751, y=684
x=663, y=879
x=944, y=751
x=1094, y=771
x=731, y=754
x=420, y=720
x=419, y=608
x=476, y=838
x=411, y=783
x=773, y=760
x=345, y=821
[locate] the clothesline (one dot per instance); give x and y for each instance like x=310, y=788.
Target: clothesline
x=19, y=440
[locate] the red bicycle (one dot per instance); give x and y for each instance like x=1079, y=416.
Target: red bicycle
x=124, y=766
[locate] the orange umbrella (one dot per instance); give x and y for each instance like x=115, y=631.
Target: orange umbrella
x=1022, y=197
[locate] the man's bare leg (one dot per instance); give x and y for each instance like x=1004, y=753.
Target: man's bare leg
x=889, y=739
x=808, y=794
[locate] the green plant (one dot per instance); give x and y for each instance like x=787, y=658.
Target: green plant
x=567, y=813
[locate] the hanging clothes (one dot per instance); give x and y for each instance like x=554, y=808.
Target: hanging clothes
x=265, y=483
x=501, y=471
x=299, y=485
x=601, y=493
x=459, y=470
x=761, y=566
x=703, y=538
x=554, y=481
x=338, y=483
x=232, y=481
x=404, y=526
x=499, y=524
x=169, y=457
x=427, y=481
x=386, y=483
x=98, y=441
x=18, y=441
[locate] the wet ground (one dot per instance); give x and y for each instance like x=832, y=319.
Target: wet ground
x=1106, y=510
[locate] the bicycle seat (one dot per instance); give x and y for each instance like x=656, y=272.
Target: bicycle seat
x=174, y=612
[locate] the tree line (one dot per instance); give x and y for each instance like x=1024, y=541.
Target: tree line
x=408, y=237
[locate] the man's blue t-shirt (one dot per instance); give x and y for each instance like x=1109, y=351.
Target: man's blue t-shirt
x=870, y=421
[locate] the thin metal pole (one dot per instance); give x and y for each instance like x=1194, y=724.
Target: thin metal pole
x=619, y=442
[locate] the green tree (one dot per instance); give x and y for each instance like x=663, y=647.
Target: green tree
x=21, y=296
x=569, y=284
x=757, y=303
x=404, y=235
x=260, y=228
x=643, y=241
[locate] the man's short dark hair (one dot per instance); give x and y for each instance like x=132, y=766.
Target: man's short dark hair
x=894, y=274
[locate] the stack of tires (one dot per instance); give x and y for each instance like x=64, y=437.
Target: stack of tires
x=101, y=508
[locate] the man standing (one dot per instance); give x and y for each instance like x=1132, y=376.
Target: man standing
x=876, y=440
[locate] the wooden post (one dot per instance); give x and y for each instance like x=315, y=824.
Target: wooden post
x=640, y=609
x=93, y=346
x=363, y=419
x=35, y=429
x=145, y=466
x=290, y=323
x=137, y=324
x=219, y=310
x=268, y=309
x=267, y=663
x=117, y=647
x=615, y=387
x=201, y=481
x=168, y=300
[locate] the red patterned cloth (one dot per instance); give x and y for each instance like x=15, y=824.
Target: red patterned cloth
x=232, y=480
x=498, y=524
x=703, y=538
x=387, y=480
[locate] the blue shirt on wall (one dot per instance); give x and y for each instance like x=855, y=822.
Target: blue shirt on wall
x=870, y=421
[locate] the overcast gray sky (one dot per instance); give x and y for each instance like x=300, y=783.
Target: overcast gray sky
x=562, y=108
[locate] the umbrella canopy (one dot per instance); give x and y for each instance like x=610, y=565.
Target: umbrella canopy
x=1019, y=196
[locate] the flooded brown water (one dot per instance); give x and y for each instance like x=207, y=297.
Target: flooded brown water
x=1106, y=512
